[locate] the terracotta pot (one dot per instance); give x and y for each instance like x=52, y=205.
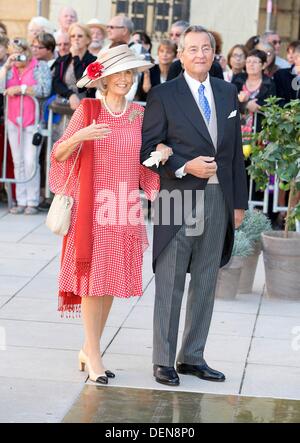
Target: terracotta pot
x=249, y=270
x=229, y=278
x=282, y=264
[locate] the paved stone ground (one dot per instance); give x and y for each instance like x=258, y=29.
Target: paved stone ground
x=250, y=338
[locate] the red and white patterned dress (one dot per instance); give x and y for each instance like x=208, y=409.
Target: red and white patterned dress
x=116, y=266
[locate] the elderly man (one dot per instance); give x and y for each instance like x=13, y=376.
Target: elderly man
x=66, y=17
x=63, y=44
x=120, y=29
x=176, y=30
x=273, y=38
x=98, y=32
x=197, y=116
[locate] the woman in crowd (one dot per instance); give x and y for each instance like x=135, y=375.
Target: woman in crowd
x=69, y=68
x=158, y=74
x=290, y=51
x=102, y=252
x=4, y=41
x=236, y=60
x=43, y=48
x=24, y=75
x=271, y=66
x=253, y=88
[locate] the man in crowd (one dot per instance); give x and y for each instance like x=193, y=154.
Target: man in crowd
x=98, y=32
x=66, y=17
x=63, y=44
x=273, y=38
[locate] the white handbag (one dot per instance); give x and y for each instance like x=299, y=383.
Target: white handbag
x=59, y=216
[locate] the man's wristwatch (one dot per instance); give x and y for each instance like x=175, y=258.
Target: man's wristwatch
x=23, y=89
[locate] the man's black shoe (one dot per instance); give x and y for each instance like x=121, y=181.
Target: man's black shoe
x=201, y=371
x=166, y=375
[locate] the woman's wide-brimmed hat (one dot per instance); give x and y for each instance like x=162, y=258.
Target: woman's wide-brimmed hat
x=111, y=61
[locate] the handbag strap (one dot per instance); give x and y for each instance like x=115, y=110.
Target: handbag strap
x=71, y=171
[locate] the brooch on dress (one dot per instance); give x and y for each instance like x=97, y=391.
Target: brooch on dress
x=134, y=114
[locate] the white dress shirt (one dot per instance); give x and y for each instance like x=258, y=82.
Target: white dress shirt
x=194, y=88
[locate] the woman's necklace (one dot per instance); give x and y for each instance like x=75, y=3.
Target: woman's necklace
x=112, y=113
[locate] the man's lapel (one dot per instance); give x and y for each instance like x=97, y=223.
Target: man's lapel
x=220, y=101
x=188, y=105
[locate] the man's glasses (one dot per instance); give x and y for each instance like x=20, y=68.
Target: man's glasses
x=63, y=44
x=175, y=34
x=276, y=42
x=114, y=27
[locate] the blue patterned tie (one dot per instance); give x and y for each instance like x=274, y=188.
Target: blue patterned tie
x=204, y=103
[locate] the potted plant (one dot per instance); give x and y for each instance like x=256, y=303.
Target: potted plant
x=254, y=224
x=229, y=275
x=277, y=151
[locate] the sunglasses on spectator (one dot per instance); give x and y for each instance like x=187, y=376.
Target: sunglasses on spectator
x=18, y=42
x=114, y=27
x=175, y=34
x=276, y=42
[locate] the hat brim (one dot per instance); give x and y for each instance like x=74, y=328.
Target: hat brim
x=140, y=65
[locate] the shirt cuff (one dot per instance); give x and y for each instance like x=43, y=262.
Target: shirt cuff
x=180, y=172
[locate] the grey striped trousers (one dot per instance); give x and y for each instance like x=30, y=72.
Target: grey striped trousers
x=203, y=253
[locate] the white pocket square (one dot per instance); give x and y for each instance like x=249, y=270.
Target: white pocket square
x=232, y=114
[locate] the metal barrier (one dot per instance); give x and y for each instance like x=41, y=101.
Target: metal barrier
x=53, y=109
x=258, y=203
x=3, y=178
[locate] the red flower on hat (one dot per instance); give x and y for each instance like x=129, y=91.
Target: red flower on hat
x=94, y=70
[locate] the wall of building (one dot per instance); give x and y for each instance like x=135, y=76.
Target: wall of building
x=235, y=20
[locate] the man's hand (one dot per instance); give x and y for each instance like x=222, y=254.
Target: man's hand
x=201, y=167
x=239, y=215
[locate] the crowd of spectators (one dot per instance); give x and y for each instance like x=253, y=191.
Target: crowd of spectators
x=47, y=64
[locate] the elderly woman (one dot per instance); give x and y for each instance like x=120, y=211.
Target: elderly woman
x=24, y=76
x=70, y=67
x=37, y=25
x=102, y=252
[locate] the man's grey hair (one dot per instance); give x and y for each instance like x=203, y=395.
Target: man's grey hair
x=180, y=24
x=199, y=29
x=265, y=35
x=127, y=23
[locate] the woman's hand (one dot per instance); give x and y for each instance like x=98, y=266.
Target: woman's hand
x=12, y=91
x=252, y=106
x=10, y=62
x=74, y=102
x=166, y=152
x=93, y=132
x=243, y=96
